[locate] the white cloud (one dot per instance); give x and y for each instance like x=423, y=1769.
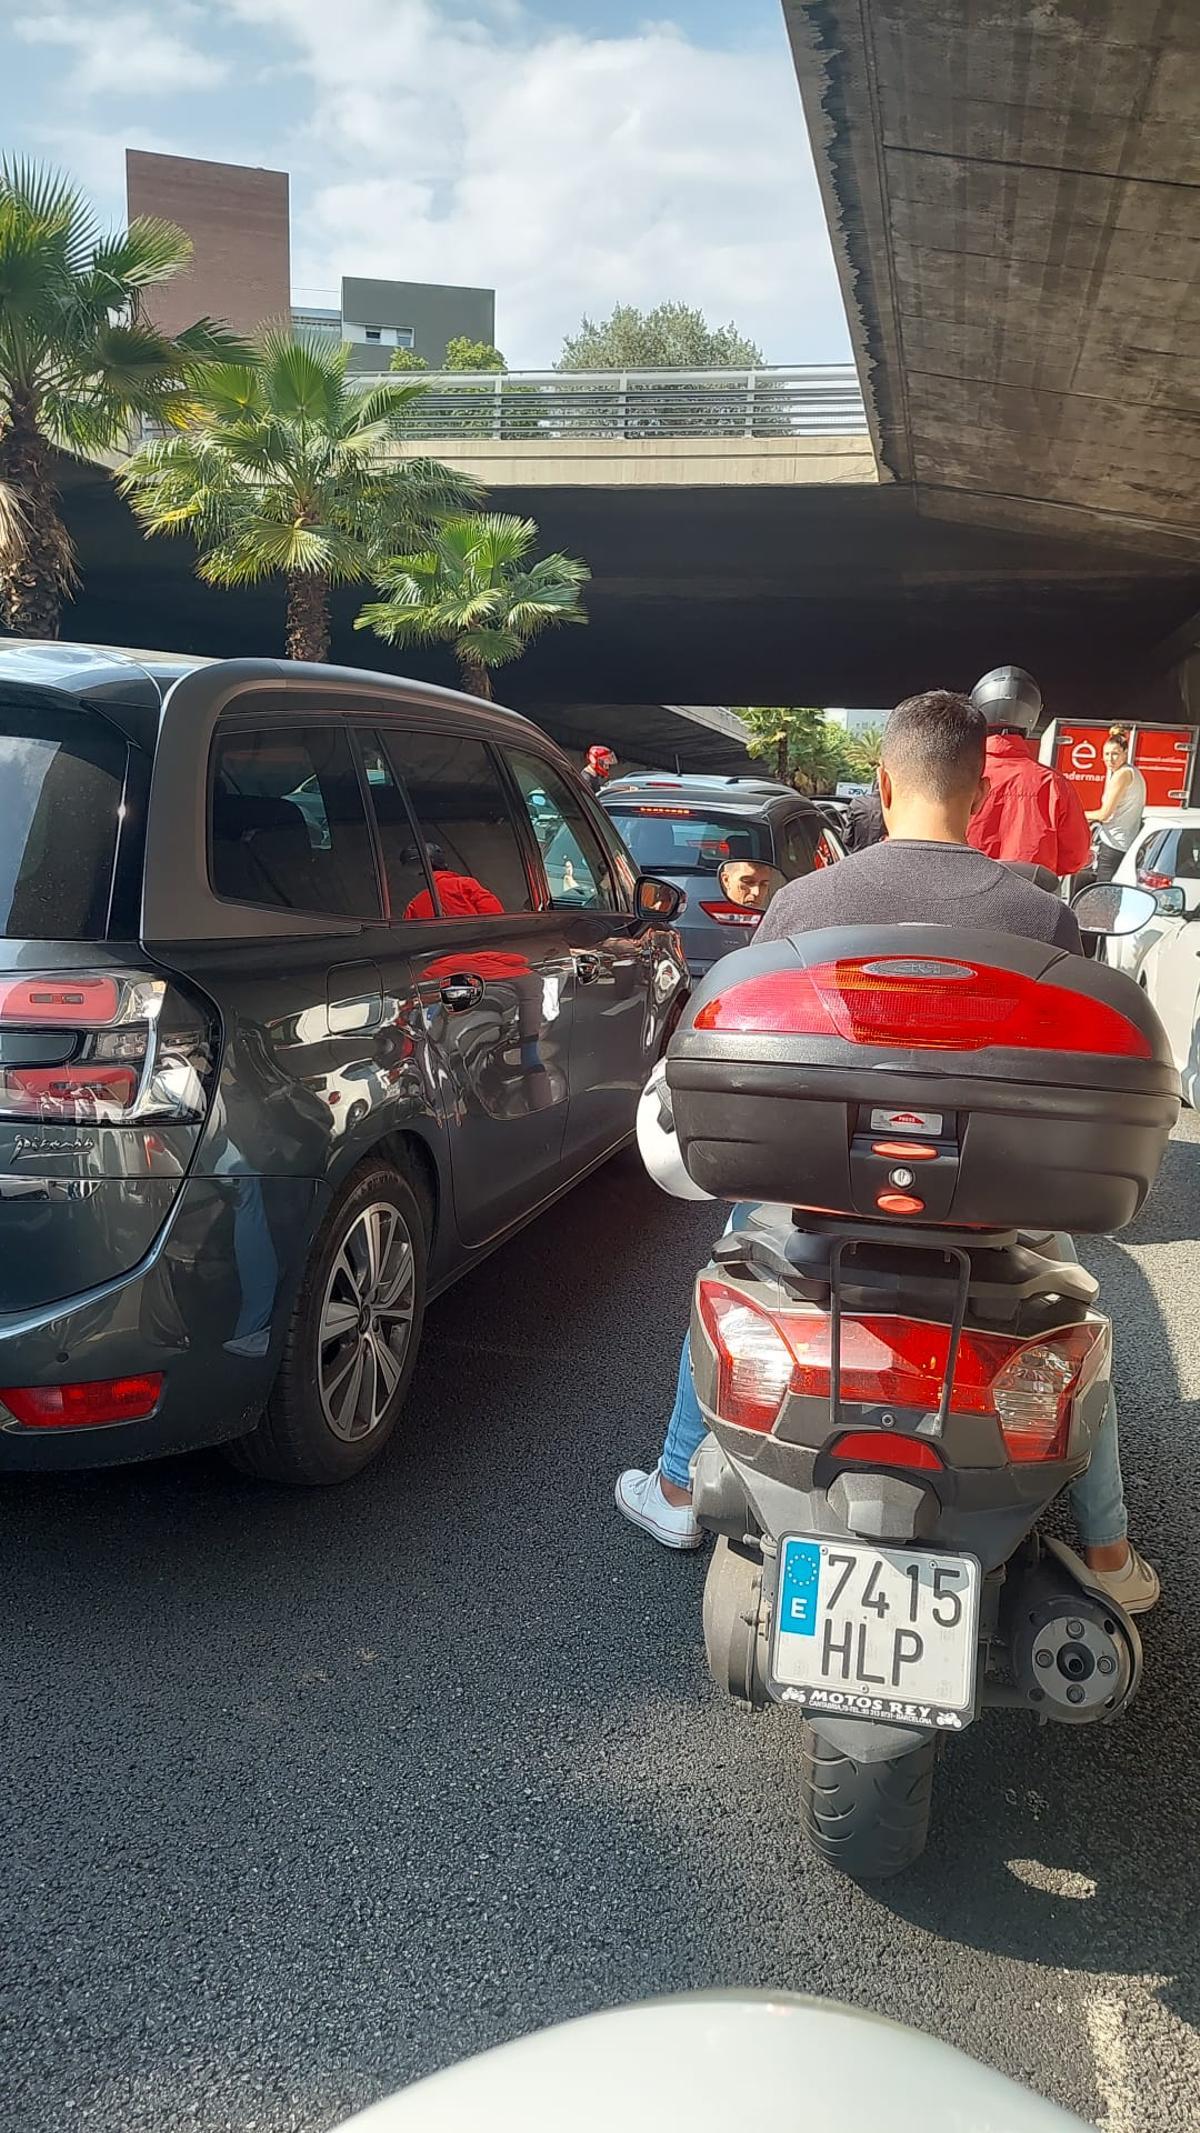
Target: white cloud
x=569, y=171
x=128, y=53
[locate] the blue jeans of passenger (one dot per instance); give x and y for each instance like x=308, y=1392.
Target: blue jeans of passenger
x=1097, y=1498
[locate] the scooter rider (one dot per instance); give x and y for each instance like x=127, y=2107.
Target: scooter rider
x=1030, y=812
x=925, y=873
x=599, y=765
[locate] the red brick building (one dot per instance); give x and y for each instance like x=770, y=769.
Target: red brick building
x=237, y=220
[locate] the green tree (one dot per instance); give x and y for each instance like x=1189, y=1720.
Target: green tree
x=475, y=587
x=461, y=354
x=863, y=751
x=671, y=337
x=79, y=366
x=283, y=469
x=802, y=744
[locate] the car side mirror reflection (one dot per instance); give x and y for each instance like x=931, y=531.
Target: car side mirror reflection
x=749, y=882
x=1110, y=909
x=657, y=899
x=1171, y=903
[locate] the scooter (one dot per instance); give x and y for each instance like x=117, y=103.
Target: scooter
x=901, y=1363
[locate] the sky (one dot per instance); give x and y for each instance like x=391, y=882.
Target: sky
x=572, y=154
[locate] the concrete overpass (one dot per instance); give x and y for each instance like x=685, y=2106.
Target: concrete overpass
x=1012, y=191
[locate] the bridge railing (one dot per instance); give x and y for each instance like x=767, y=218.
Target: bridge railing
x=555, y=406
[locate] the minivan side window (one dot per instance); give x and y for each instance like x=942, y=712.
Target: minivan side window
x=62, y=777
x=577, y=868
x=471, y=839
x=288, y=825
x=403, y=859
x=799, y=852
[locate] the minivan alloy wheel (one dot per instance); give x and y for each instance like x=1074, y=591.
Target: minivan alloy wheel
x=366, y=1322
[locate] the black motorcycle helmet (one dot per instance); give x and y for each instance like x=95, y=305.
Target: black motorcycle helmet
x=1008, y=696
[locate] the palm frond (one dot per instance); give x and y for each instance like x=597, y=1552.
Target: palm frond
x=150, y=251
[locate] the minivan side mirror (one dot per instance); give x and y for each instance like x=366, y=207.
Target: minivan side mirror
x=1172, y=903
x=656, y=899
x=1111, y=909
x=749, y=882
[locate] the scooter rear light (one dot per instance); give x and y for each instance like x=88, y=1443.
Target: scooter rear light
x=1026, y=1386
x=754, y=1361
x=879, y=1447
x=922, y=1004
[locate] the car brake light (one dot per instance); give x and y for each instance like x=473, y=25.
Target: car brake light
x=108, y=1049
x=685, y=812
x=1025, y=1385
x=84, y=1406
x=1155, y=881
x=732, y=914
x=922, y=1004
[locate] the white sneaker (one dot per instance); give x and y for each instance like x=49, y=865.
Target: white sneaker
x=640, y=1498
x=1135, y=1586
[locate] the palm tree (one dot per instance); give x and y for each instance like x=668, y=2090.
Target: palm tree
x=474, y=587
x=79, y=364
x=281, y=469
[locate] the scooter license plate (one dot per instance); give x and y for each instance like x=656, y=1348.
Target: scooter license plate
x=869, y=1632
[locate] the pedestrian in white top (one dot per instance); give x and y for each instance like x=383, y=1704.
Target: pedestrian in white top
x=1118, y=818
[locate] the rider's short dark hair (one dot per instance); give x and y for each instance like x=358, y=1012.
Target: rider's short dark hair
x=934, y=744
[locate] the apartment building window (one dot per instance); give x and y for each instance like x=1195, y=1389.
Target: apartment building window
x=374, y=333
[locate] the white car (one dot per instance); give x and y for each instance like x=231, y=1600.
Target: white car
x=1165, y=955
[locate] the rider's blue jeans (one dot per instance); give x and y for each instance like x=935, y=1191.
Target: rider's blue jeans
x=1097, y=1498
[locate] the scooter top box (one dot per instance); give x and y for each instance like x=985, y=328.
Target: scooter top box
x=966, y=1079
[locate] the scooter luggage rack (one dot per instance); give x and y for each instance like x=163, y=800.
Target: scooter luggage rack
x=843, y=1238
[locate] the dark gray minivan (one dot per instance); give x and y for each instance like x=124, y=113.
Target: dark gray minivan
x=314, y=986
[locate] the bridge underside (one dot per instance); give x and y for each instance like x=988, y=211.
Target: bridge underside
x=725, y=595
x=1012, y=189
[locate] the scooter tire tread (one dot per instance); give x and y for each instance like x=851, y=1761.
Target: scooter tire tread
x=869, y=1820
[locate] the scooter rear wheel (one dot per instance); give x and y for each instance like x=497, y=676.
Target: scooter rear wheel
x=870, y=1820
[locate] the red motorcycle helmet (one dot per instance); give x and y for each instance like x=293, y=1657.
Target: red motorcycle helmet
x=600, y=760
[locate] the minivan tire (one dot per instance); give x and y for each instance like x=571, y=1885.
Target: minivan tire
x=870, y=1820
x=294, y=1440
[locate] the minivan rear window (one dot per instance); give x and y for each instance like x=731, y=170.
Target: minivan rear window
x=62, y=779
x=676, y=840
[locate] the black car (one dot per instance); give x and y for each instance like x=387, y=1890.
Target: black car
x=296, y=1025
x=688, y=828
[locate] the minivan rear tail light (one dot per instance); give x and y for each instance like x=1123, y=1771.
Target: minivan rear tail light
x=732, y=914
x=89, y=1405
x=923, y=1004
x=1155, y=881
x=1025, y=1385
x=108, y=1049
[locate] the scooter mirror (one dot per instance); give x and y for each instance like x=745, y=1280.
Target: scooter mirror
x=749, y=882
x=1110, y=908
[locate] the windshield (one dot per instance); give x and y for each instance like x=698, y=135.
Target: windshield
x=683, y=840
x=62, y=775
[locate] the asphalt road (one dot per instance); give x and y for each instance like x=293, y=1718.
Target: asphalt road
x=309, y=1794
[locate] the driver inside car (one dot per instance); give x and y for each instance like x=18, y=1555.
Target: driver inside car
x=931, y=780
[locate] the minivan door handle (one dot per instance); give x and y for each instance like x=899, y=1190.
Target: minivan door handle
x=462, y=990
x=354, y=999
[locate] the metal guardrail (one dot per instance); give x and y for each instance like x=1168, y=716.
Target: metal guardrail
x=554, y=406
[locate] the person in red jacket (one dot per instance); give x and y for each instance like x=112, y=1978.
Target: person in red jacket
x=459, y=895
x=1031, y=813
